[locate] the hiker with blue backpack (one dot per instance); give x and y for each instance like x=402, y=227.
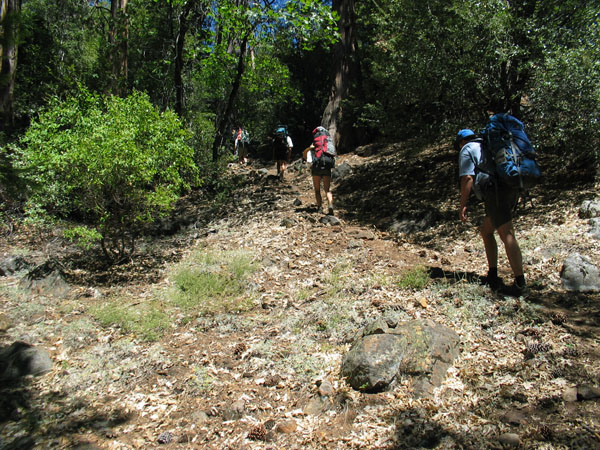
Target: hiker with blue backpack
x=282, y=149
x=497, y=166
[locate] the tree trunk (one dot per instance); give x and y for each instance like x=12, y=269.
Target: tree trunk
x=179, y=45
x=118, y=38
x=342, y=71
x=222, y=125
x=9, y=31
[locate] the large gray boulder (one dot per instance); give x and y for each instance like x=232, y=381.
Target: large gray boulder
x=20, y=359
x=422, y=350
x=579, y=274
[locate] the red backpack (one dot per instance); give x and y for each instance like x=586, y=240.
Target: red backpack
x=324, y=150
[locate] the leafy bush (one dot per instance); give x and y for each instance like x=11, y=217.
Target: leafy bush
x=114, y=164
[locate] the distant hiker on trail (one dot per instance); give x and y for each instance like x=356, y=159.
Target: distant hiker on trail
x=321, y=156
x=242, y=139
x=282, y=149
x=499, y=200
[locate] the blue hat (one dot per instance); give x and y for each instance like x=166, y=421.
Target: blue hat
x=464, y=134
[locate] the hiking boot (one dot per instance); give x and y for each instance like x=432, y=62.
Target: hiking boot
x=514, y=290
x=495, y=283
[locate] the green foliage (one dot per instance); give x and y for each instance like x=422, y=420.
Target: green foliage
x=146, y=321
x=209, y=283
x=416, y=278
x=115, y=164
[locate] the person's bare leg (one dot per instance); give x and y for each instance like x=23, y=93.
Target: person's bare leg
x=511, y=246
x=486, y=230
x=317, y=187
x=328, y=193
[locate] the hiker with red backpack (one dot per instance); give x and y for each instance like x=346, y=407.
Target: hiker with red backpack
x=321, y=154
x=483, y=169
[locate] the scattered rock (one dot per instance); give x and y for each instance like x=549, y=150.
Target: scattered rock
x=421, y=349
x=341, y=171
x=408, y=225
x=165, y=438
x=595, y=227
x=297, y=202
x=286, y=426
x=578, y=274
x=5, y=322
x=364, y=234
x=287, y=222
x=13, y=264
x=510, y=439
x=20, y=359
x=330, y=220
x=586, y=392
x=47, y=278
x=589, y=209
x=514, y=417
x=570, y=395
x=326, y=389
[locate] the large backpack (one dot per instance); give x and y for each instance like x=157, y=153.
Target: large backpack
x=506, y=143
x=324, y=149
x=281, y=135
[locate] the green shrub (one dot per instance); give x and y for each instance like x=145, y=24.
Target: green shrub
x=212, y=283
x=147, y=321
x=415, y=278
x=114, y=164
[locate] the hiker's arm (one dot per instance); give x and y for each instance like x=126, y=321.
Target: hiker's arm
x=466, y=183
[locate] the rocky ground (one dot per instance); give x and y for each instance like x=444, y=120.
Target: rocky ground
x=259, y=368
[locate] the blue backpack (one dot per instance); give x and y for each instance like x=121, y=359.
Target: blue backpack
x=506, y=143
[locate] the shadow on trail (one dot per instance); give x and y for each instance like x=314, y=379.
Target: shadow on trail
x=22, y=403
x=414, y=189
x=470, y=277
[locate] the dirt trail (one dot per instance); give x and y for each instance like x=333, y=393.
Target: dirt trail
x=267, y=376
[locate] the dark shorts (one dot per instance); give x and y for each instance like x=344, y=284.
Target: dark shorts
x=320, y=172
x=499, y=204
x=281, y=154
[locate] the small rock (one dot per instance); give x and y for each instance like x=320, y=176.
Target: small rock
x=286, y=222
x=579, y=274
x=297, y=202
x=239, y=407
x=326, y=389
x=286, y=427
x=570, y=395
x=315, y=407
x=513, y=417
x=5, y=322
x=330, y=220
x=510, y=439
x=20, y=359
x=199, y=417
x=165, y=438
x=589, y=209
x=587, y=392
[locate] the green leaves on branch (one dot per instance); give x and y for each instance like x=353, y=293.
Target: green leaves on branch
x=114, y=164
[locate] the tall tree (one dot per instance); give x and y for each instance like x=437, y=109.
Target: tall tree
x=9, y=46
x=118, y=39
x=343, y=72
